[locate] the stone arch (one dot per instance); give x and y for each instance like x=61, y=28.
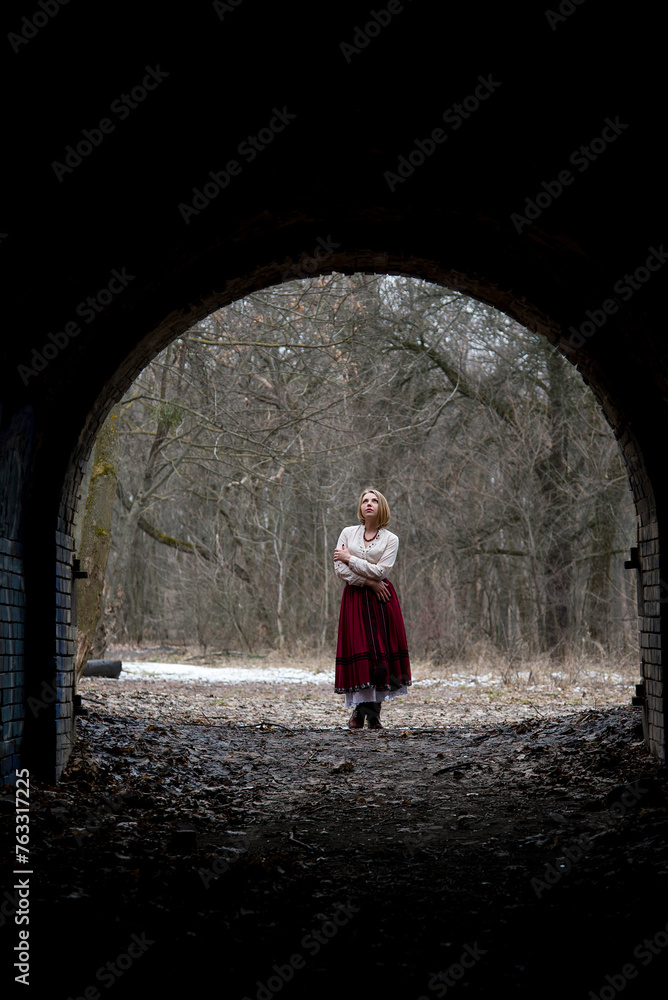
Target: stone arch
x=49, y=718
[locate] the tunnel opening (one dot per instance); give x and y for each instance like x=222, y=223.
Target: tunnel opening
x=98, y=413
x=54, y=721
x=270, y=848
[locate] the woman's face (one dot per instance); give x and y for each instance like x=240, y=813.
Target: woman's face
x=369, y=505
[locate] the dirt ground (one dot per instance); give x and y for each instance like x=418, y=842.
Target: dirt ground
x=504, y=837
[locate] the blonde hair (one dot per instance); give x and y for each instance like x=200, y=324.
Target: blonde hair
x=383, y=508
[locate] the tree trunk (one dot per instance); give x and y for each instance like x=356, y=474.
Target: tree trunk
x=95, y=542
x=128, y=569
x=559, y=556
x=279, y=602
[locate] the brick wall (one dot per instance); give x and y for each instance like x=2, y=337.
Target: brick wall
x=651, y=634
x=44, y=708
x=650, y=600
x=65, y=644
x=15, y=453
x=12, y=624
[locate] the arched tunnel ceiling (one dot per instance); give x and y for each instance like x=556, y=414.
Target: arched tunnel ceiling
x=408, y=139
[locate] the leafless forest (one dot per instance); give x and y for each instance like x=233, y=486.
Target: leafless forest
x=239, y=453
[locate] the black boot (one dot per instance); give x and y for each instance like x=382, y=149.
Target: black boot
x=356, y=720
x=373, y=715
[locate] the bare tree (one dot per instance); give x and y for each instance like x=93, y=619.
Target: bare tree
x=245, y=444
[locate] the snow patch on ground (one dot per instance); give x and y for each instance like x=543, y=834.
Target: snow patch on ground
x=461, y=680
x=277, y=675
x=221, y=675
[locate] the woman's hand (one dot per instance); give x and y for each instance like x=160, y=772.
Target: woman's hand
x=342, y=554
x=380, y=588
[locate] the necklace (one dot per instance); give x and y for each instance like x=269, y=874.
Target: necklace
x=369, y=540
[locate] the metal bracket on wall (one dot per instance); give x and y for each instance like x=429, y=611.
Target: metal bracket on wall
x=639, y=697
x=77, y=572
x=78, y=707
x=634, y=561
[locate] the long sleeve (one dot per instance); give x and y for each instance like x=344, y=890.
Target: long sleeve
x=343, y=570
x=377, y=570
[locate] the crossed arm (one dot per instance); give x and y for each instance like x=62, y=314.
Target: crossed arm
x=362, y=573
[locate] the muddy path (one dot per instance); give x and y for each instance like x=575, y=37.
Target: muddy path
x=524, y=858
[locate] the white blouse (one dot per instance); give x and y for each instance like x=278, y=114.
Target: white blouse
x=372, y=562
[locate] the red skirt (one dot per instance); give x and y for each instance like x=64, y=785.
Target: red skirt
x=371, y=650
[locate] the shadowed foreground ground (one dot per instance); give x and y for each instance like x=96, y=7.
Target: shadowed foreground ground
x=528, y=858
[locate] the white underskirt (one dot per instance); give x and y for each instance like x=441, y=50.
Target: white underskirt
x=370, y=694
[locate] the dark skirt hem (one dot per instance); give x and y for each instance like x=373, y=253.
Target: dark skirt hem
x=363, y=687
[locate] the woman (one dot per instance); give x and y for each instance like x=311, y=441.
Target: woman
x=372, y=662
